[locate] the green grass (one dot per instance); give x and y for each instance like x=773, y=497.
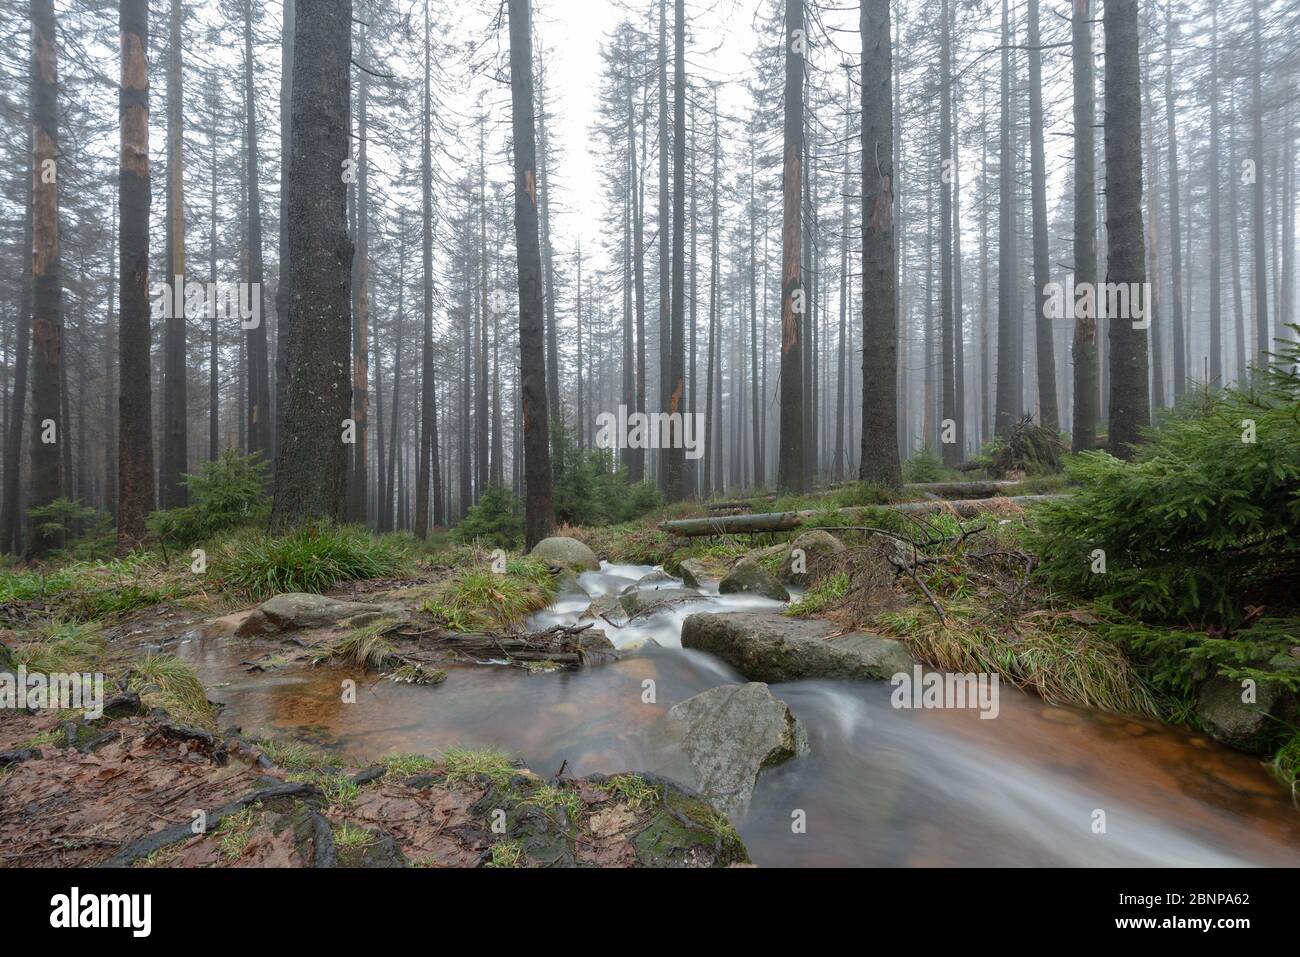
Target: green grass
x=257, y=566
x=236, y=830
x=464, y=764
x=179, y=691
x=93, y=590
x=368, y=648
x=406, y=765
x=507, y=854
x=350, y=837
x=550, y=798
x=1286, y=765
x=633, y=790
x=296, y=756
x=821, y=595
x=479, y=599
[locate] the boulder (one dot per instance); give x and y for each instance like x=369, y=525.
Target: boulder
x=293, y=610
x=656, y=579
x=722, y=738
x=694, y=572
x=820, y=551
x=637, y=601
x=748, y=577
x=1253, y=727
x=595, y=647
x=772, y=647
x=569, y=552
x=605, y=607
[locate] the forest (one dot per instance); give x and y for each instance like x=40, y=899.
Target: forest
x=649, y=433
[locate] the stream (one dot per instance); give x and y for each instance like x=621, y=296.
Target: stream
x=881, y=787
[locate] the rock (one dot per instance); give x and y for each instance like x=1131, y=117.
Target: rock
x=771, y=647
x=820, y=553
x=694, y=572
x=1249, y=727
x=568, y=552
x=595, y=647
x=725, y=736
x=637, y=601
x=748, y=577
x=566, y=583
x=294, y=610
x=605, y=607
x=657, y=579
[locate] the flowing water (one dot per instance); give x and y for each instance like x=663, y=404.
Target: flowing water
x=881, y=786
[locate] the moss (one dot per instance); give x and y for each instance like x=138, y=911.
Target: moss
x=507, y=854
x=685, y=830
x=236, y=830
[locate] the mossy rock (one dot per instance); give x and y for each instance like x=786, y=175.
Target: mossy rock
x=568, y=552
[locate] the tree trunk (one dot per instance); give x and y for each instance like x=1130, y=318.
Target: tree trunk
x=1130, y=402
x=311, y=468
x=539, y=516
x=11, y=525
x=49, y=426
x=790, y=471
x=259, y=372
x=360, y=452
x=1085, y=232
x=879, y=455
x=676, y=453
x=172, y=491
x=1048, y=414
x=1262, y=342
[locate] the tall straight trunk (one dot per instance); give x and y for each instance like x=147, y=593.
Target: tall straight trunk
x=1216, y=229
x=1234, y=226
x=548, y=255
x=710, y=448
x=756, y=425
x=311, y=465
x=1084, y=347
x=879, y=454
x=426, y=449
x=1153, y=246
x=110, y=381
x=582, y=420
x=950, y=451
x=465, y=452
x=637, y=456
x=790, y=470
x=172, y=491
x=259, y=372
x=284, y=287
x=959, y=333
x=135, y=465
x=360, y=452
x=49, y=426
x=214, y=370
x=676, y=454
x=627, y=454
x=387, y=503
x=11, y=526
x=985, y=409
x=838, y=466
x=1007, y=389
x=539, y=517
x=1175, y=229
x=1130, y=400
x=481, y=428
x=692, y=471
x=665, y=268
x=1048, y=414
x=1262, y=342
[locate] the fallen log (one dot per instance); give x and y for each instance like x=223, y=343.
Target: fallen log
x=761, y=522
x=969, y=490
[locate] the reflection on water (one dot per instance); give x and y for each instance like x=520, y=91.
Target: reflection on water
x=881, y=786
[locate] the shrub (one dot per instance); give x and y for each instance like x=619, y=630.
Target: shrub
x=925, y=466
x=1199, y=523
x=312, y=559
x=225, y=493
x=497, y=519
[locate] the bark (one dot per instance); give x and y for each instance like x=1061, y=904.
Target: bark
x=172, y=491
x=948, y=386
x=1175, y=228
x=259, y=373
x=47, y=473
x=284, y=287
x=879, y=453
x=1084, y=349
x=1262, y=341
x=1046, y=357
x=11, y=526
x=676, y=453
x=539, y=516
x=311, y=467
x=790, y=470
x=427, y=449
x=1130, y=402
x=360, y=452
x=1008, y=395
x=1216, y=229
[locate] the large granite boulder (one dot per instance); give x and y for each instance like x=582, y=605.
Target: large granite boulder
x=764, y=646
x=748, y=577
x=721, y=739
x=292, y=611
x=810, y=556
x=569, y=552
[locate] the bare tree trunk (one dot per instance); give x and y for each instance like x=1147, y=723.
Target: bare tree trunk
x=539, y=517
x=1085, y=232
x=360, y=452
x=11, y=526
x=791, y=472
x=676, y=454
x=1048, y=414
x=172, y=491
x=311, y=469
x=259, y=372
x=1263, y=344
x=49, y=425
x=879, y=456
x=1130, y=401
